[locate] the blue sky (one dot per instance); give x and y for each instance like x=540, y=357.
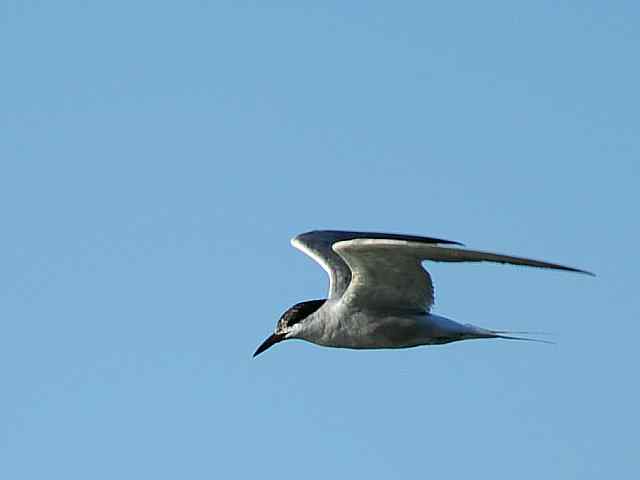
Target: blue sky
x=156, y=158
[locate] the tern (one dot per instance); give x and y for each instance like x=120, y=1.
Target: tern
x=380, y=296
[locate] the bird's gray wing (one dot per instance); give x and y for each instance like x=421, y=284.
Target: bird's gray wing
x=318, y=245
x=389, y=273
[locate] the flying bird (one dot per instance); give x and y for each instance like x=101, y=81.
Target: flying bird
x=380, y=296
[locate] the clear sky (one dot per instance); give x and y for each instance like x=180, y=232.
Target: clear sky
x=156, y=157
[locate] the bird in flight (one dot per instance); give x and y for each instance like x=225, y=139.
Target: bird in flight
x=380, y=296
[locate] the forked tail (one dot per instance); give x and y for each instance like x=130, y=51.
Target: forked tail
x=507, y=335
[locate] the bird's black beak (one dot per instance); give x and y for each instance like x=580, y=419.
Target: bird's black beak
x=269, y=342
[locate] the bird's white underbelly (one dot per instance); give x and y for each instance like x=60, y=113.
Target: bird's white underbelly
x=364, y=330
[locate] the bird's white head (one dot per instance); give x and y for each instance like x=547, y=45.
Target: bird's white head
x=291, y=322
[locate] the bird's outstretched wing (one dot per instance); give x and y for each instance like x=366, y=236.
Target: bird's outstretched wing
x=388, y=273
x=318, y=245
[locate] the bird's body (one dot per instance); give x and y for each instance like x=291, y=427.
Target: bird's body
x=380, y=296
x=337, y=325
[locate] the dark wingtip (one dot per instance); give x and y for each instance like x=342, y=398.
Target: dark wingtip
x=577, y=270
